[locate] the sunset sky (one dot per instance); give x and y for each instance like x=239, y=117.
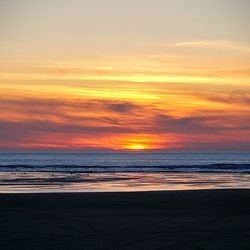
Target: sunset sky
x=125, y=74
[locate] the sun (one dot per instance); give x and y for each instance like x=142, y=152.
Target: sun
x=139, y=142
x=136, y=147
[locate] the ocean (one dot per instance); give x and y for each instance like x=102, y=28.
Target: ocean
x=74, y=171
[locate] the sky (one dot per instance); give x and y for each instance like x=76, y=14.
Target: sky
x=125, y=75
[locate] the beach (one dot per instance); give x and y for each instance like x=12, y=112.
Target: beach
x=195, y=220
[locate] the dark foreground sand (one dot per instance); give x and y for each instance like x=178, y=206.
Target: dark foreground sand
x=196, y=220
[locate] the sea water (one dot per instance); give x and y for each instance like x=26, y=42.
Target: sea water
x=47, y=171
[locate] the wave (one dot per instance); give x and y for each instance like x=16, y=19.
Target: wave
x=209, y=168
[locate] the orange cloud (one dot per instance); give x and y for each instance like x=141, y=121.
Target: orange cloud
x=175, y=121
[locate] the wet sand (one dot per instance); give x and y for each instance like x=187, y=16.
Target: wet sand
x=195, y=220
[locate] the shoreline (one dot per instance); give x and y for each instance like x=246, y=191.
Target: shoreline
x=119, y=182
x=83, y=193
x=150, y=220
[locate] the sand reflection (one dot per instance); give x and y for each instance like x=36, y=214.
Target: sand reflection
x=111, y=182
